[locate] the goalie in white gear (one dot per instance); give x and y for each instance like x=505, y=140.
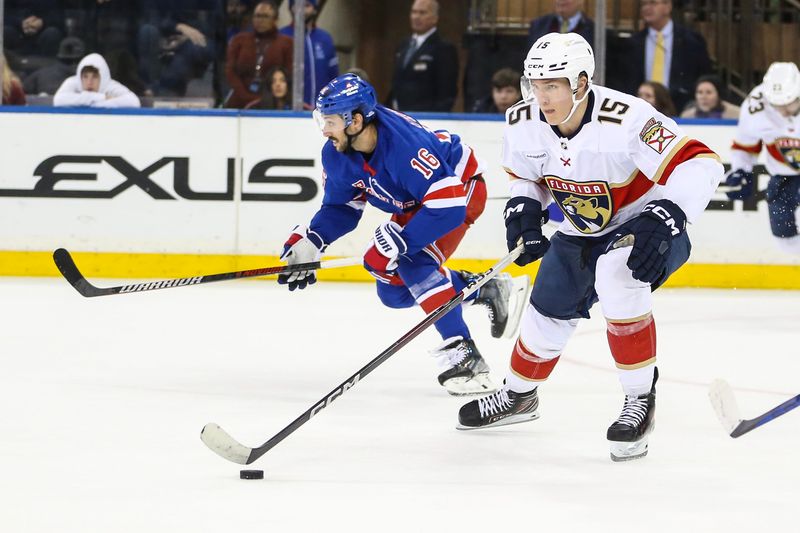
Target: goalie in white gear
x=627, y=179
x=770, y=118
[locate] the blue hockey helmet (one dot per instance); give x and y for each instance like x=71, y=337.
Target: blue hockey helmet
x=343, y=96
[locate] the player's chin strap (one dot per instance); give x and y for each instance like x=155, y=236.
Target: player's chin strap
x=576, y=103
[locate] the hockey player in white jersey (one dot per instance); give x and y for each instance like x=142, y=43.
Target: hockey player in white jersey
x=628, y=180
x=770, y=118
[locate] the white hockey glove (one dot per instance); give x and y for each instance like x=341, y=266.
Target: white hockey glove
x=387, y=246
x=302, y=246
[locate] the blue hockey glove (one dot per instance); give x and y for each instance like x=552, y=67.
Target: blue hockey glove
x=302, y=246
x=740, y=184
x=653, y=230
x=524, y=219
x=387, y=246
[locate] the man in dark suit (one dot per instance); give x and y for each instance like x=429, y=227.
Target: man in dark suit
x=425, y=66
x=568, y=17
x=664, y=51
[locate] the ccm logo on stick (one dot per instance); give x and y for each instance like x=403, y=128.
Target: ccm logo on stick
x=332, y=396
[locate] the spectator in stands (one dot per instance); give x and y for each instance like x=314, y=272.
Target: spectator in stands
x=321, y=62
x=176, y=42
x=278, y=93
x=31, y=27
x=657, y=96
x=13, y=94
x=709, y=100
x=110, y=28
x=425, y=66
x=664, y=51
x=92, y=86
x=568, y=17
x=252, y=54
x=505, y=93
x=46, y=80
x=237, y=17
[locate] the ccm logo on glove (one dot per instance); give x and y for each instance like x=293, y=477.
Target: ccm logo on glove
x=524, y=218
x=661, y=212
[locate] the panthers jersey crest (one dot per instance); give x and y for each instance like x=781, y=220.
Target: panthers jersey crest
x=790, y=150
x=587, y=205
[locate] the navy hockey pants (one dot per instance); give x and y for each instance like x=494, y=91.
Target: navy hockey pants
x=783, y=199
x=564, y=286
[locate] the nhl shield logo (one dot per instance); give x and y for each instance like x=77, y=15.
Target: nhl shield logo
x=587, y=205
x=790, y=150
x=656, y=136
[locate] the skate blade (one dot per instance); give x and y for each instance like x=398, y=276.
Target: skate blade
x=628, y=451
x=509, y=420
x=518, y=301
x=463, y=386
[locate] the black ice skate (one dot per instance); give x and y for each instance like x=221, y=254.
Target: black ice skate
x=502, y=408
x=505, y=298
x=628, y=435
x=466, y=371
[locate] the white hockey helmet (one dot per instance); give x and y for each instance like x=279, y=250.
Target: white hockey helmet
x=558, y=55
x=782, y=83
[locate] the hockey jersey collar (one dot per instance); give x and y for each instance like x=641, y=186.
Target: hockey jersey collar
x=587, y=117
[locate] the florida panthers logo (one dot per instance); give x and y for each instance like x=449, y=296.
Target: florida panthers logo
x=790, y=150
x=587, y=205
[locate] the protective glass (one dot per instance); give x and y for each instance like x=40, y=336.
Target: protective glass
x=526, y=89
x=329, y=123
x=552, y=90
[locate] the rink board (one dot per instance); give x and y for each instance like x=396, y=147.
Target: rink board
x=137, y=194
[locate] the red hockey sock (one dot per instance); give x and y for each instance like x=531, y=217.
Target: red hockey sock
x=633, y=344
x=529, y=366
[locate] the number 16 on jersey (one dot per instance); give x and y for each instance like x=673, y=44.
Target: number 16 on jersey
x=425, y=163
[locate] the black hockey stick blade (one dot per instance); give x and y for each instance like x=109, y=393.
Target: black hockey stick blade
x=724, y=403
x=66, y=265
x=221, y=443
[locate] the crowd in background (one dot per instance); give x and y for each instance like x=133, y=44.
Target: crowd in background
x=232, y=53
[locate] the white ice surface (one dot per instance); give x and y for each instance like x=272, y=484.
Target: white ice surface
x=102, y=401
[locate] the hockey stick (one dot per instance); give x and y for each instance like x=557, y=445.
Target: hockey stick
x=66, y=265
x=724, y=403
x=227, y=447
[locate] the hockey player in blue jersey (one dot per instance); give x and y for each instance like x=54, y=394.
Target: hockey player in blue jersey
x=431, y=184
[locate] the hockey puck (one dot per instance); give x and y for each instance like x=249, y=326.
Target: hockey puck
x=251, y=474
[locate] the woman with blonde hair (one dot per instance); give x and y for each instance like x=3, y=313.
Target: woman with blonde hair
x=13, y=94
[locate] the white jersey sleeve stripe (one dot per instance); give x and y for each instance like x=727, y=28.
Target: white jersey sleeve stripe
x=444, y=203
x=443, y=184
x=358, y=205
